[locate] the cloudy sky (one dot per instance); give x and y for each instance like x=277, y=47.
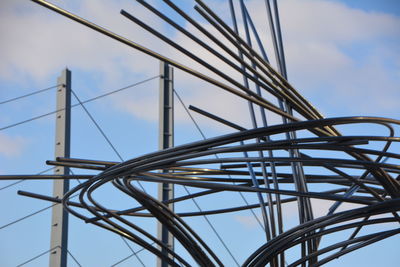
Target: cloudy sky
x=344, y=56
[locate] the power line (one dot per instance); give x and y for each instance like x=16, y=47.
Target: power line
x=32, y=214
x=72, y=256
x=204, y=137
x=22, y=180
x=133, y=252
x=116, y=152
x=33, y=93
x=213, y=228
x=242, y=196
x=47, y=251
x=12, y=184
x=46, y=208
x=34, y=258
x=128, y=257
x=190, y=115
x=86, y=101
x=97, y=126
x=79, y=181
x=188, y=192
x=113, y=147
x=102, y=132
x=27, y=216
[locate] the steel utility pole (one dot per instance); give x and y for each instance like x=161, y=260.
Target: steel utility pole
x=166, y=140
x=59, y=221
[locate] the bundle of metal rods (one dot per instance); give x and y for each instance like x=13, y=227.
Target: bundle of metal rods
x=191, y=165
x=279, y=163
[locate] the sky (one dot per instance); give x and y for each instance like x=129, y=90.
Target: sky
x=343, y=56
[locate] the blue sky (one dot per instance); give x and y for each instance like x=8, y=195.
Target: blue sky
x=344, y=56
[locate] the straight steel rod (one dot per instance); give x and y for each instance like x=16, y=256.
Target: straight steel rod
x=281, y=80
x=266, y=85
x=174, y=63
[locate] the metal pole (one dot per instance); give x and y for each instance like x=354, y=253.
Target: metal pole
x=166, y=140
x=59, y=221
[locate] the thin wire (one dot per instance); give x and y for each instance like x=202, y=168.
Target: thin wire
x=34, y=258
x=86, y=101
x=133, y=252
x=41, y=116
x=33, y=93
x=27, y=216
x=122, y=260
x=79, y=181
x=32, y=214
x=46, y=208
x=72, y=256
x=187, y=191
x=116, y=152
x=213, y=228
x=190, y=115
x=47, y=251
x=12, y=184
x=128, y=257
x=22, y=180
x=203, y=135
x=97, y=126
x=102, y=133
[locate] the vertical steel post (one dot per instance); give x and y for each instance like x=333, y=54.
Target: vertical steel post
x=59, y=221
x=166, y=140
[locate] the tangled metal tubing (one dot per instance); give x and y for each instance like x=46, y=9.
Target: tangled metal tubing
x=374, y=189
x=279, y=163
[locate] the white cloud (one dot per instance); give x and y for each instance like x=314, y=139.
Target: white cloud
x=337, y=55
x=318, y=38
x=42, y=42
x=332, y=21
x=248, y=221
x=12, y=146
x=290, y=212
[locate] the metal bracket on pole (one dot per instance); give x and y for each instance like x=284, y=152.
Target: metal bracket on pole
x=59, y=221
x=166, y=140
